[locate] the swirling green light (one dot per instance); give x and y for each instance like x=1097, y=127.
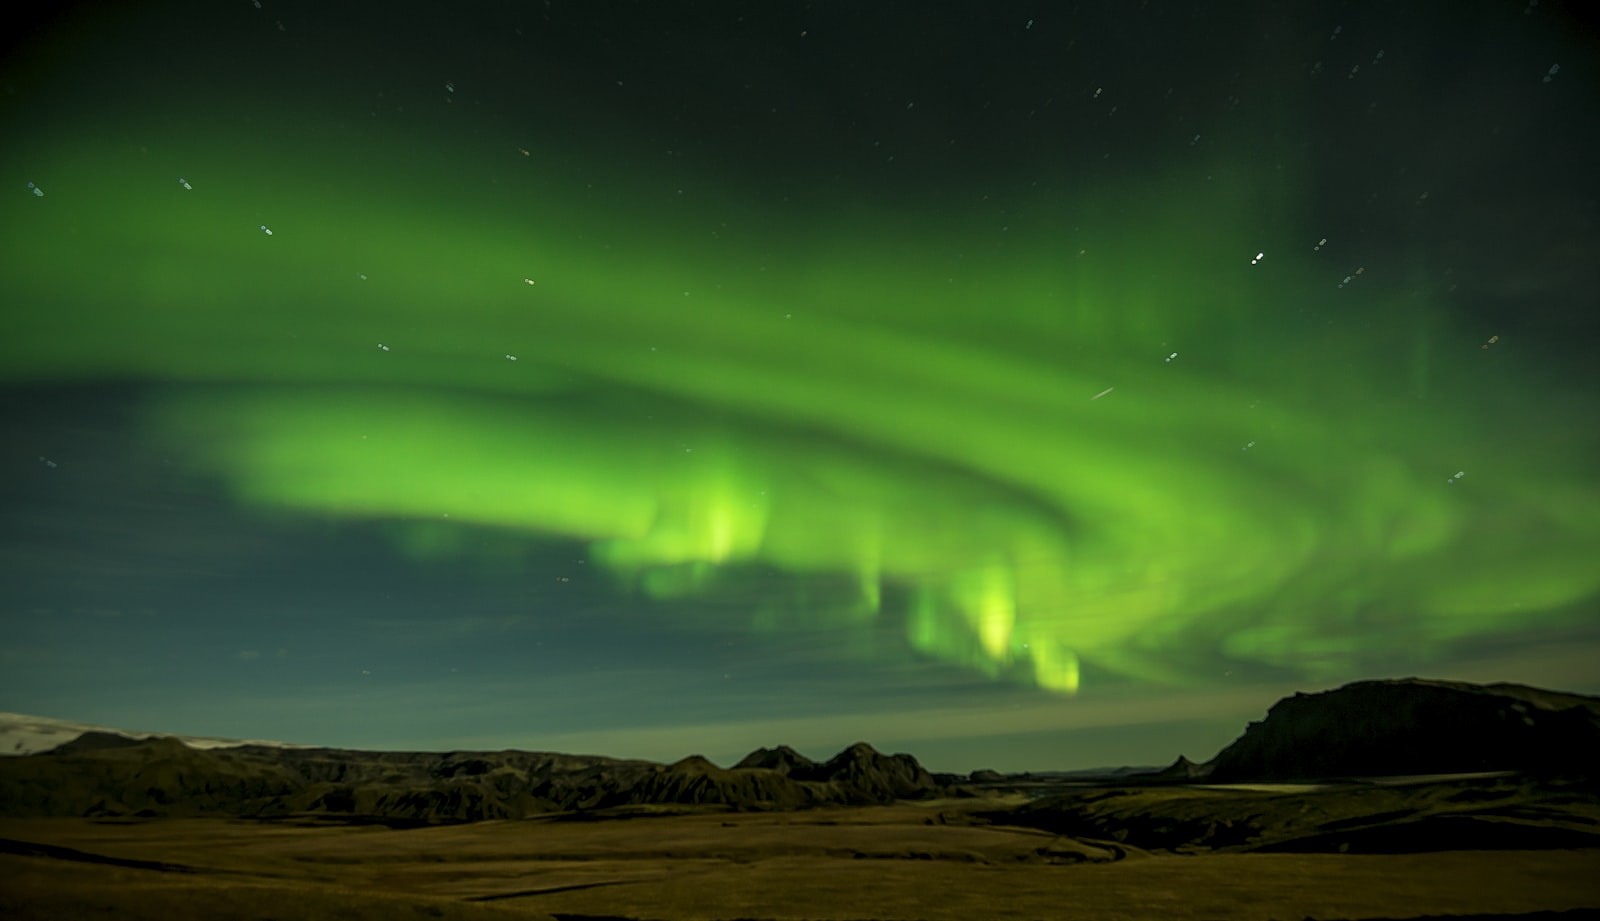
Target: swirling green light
x=987, y=423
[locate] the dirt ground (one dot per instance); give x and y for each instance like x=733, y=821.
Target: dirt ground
x=925, y=861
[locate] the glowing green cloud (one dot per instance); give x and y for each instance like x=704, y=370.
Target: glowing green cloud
x=1110, y=444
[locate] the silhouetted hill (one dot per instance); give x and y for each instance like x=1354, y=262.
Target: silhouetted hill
x=860, y=771
x=1416, y=726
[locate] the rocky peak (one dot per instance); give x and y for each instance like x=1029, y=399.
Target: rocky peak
x=782, y=759
x=864, y=768
x=694, y=764
x=1183, y=768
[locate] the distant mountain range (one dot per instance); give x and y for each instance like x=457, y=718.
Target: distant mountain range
x=21, y=734
x=1370, y=728
x=106, y=774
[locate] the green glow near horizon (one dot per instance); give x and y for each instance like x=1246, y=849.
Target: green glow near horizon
x=699, y=391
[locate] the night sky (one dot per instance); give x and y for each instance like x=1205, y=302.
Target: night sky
x=1021, y=385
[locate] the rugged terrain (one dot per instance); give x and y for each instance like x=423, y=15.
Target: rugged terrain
x=153, y=828
x=100, y=774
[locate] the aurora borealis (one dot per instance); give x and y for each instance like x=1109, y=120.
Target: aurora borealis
x=1089, y=367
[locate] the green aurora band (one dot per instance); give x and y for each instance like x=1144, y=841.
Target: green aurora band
x=903, y=413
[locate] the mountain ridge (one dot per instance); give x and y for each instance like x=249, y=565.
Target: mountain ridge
x=1408, y=726
x=164, y=777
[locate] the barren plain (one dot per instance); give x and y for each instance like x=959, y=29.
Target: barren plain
x=929, y=860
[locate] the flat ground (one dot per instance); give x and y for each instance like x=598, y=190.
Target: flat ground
x=923, y=861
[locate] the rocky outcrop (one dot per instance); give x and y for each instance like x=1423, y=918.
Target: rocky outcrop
x=1416, y=726
x=860, y=772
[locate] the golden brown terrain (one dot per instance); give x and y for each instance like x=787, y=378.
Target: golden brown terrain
x=934, y=860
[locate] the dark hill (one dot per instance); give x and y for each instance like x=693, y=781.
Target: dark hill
x=1416, y=726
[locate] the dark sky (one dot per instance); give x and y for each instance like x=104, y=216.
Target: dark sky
x=1024, y=386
